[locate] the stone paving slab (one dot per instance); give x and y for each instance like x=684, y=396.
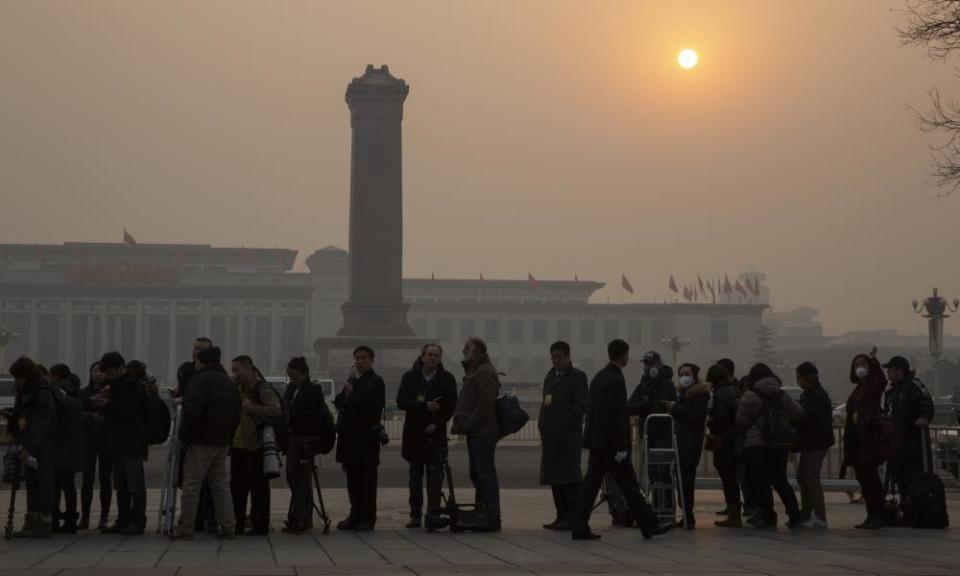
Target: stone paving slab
x=522, y=548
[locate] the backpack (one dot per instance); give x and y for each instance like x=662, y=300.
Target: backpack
x=280, y=424
x=69, y=424
x=511, y=417
x=777, y=428
x=158, y=420
x=928, y=501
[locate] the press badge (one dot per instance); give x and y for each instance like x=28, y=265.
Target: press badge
x=421, y=398
x=548, y=399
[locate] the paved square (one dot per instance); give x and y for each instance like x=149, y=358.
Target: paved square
x=522, y=548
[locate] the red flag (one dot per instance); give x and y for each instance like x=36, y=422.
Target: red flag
x=673, y=284
x=756, y=286
x=625, y=283
x=128, y=238
x=726, y=284
x=741, y=289
x=713, y=294
x=481, y=276
x=533, y=282
x=700, y=281
x=575, y=279
x=686, y=293
x=432, y=275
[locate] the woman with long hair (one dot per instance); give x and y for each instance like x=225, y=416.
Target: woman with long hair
x=97, y=458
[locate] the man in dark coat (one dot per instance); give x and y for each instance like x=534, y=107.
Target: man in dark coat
x=814, y=439
x=206, y=517
x=561, y=432
x=210, y=416
x=125, y=412
x=360, y=405
x=909, y=405
x=428, y=395
x=607, y=436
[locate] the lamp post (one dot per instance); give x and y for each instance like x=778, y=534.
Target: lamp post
x=936, y=308
x=675, y=345
x=6, y=338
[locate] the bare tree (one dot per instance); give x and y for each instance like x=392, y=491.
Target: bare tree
x=935, y=25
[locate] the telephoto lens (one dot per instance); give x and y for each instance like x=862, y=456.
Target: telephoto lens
x=271, y=459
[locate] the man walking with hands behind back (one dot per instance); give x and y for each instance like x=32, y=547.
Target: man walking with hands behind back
x=211, y=414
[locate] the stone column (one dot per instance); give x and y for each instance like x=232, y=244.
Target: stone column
x=375, y=306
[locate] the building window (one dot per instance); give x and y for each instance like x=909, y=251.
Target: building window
x=468, y=328
x=611, y=330
x=444, y=330
x=539, y=331
x=588, y=333
x=719, y=331
x=563, y=330
x=491, y=330
x=658, y=331
x=515, y=331
x=420, y=327
x=635, y=332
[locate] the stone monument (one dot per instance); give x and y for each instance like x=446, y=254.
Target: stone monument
x=375, y=313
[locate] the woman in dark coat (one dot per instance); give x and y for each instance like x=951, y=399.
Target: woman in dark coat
x=68, y=457
x=864, y=446
x=723, y=438
x=565, y=396
x=97, y=457
x=690, y=416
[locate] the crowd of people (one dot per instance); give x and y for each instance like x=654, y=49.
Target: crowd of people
x=230, y=421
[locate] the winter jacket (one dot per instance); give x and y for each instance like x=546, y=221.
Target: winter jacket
x=38, y=410
x=306, y=409
x=723, y=413
x=608, y=422
x=95, y=432
x=690, y=419
x=815, y=429
x=476, y=412
x=210, y=411
x=565, y=396
x=359, y=414
x=906, y=402
x=264, y=405
x=751, y=410
x=412, y=398
x=864, y=439
x=648, y=398
x=68, y=454
x=126, y=418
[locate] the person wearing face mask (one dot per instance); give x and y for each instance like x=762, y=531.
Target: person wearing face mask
x=690, y=414
x=865, y=445
x=651, y=396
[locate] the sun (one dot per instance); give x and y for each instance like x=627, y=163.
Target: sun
x=687, y=58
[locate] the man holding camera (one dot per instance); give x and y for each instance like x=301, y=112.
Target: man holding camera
x=428, y=395
x=360, y=406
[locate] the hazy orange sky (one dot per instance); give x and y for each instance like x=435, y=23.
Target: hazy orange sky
x=553, y=137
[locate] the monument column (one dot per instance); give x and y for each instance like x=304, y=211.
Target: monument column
x=375, y=305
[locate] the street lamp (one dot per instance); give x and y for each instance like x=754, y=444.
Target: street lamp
x=6, y=338
x=936, y=308
x=675, y=345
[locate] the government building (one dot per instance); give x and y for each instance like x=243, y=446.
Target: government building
x=70, y=302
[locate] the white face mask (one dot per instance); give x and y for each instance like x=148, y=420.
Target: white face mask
x=686, y=380
x=653, y=372
x=862, y=372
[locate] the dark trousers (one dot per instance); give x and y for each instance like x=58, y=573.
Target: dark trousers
x=811, y=489
x=64, y=483
x=725, y=463
x=131, y=491
x=362, y=490
x=483, y=473
x=598, y=464
x=565, y=499
x=96, y=457
x=768, y=468
x=300, y=481
x=248, y=482
x=206, y=515
x=429, y=466
x=688, y=478
x=39, y=483
x=872, y=488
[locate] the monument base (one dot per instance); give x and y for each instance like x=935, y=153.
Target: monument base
x=394, y=356
x=387, y=320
